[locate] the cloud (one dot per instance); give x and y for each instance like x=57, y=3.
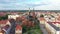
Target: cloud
x=25, y=4
x=52, y=5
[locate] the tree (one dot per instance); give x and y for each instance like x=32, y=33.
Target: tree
x=4, y=17
x=41, y=15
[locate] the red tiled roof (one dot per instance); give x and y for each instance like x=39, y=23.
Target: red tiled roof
x=24, y=22
x=18, y=19
x=11, y=20
x=54, y=22
x=41, y=18
x=3, y=21
x=2, y=14
x=58, y=18
x=18, y=27
x=2, y=31
x=23, y=16
x=6, y=27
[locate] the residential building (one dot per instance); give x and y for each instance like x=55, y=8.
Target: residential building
x=18, y=29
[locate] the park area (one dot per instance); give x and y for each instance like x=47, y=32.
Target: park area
x=33, y=30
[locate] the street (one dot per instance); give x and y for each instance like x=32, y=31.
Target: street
x=43, y=29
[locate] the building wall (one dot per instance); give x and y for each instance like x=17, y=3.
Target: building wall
x=18, y=31
x=12, y=16
x=58, y=32
x=8, y=23
x=51, y=29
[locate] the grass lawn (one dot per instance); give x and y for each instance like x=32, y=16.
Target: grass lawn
x=34, y=30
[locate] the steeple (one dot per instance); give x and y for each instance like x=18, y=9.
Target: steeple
x=33, y=9
x=29, y=9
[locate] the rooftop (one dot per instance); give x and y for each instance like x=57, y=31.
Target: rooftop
x=56, y=28
x=18, y=27
x=3, y=21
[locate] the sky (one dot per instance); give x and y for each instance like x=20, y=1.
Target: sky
x=26, y=4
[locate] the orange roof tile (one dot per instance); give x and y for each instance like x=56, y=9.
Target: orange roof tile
x=58, y=18
x=2, y=31
x=3, y=21
x=42, y=19
x=18, y=19
x=18, y=27
x=6, y=27
x=54, y=22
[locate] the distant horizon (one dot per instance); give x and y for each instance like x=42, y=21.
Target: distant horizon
x=28, y=9
x=43, y=10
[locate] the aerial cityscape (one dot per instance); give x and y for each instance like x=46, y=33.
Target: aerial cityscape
x=30, y=22
x=29, y=16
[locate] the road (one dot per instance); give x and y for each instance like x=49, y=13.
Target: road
x=13, y=25
x=43, y=29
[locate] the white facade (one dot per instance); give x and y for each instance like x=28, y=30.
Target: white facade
x=58, y=32
x=8, y=23
x=12, y=16
x=53, y=31
x=1, y=33
x=18, y=32
x=49, y=18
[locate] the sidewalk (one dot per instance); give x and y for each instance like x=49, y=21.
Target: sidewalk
x=43, y=29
